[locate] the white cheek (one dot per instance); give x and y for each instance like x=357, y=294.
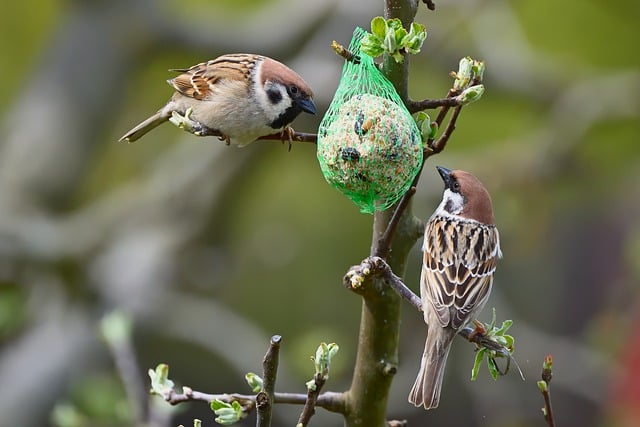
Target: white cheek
x=270, y=110
x=452, y=204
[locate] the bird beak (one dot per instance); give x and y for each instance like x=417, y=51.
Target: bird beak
x=307, y=105
x=445, y=174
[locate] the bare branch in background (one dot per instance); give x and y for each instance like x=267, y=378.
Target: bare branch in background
x=265, y=399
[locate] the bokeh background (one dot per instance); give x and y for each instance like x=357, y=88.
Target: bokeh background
x=212, y=249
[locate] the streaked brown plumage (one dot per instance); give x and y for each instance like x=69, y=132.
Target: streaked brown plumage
x=239, y=96
x=460, y=251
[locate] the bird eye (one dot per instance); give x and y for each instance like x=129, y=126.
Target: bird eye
x=456, y=186
x=293, y=89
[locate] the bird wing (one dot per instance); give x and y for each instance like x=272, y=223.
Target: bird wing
x=459, y=259
x=199, y=81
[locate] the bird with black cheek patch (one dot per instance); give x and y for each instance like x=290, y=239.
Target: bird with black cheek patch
x=237, y=97
x=460, y=250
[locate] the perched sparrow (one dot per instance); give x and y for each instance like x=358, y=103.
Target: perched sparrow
x=237, y=97
x=460, y=250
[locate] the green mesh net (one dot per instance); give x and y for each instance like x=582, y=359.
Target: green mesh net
x=369, y=146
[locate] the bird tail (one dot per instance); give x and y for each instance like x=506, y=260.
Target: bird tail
x=144, y=127
x=426, y=389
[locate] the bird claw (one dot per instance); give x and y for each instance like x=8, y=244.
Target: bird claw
x=287, y=136
x=186, y=123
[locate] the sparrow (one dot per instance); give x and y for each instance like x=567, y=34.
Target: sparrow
x=460, y=250
x=237, y=97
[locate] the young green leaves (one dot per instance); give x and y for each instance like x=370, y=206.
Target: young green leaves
x=227, y=413
x=160, y=382
x=391, y=37
x=499, y=336
x=428, y=129
x=322, y=362
x=469, y=71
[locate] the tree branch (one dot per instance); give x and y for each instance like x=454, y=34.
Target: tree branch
x=438, y=145
x=312, y=397
x=430, y=104
x=543, y=385
x=384, y=242
x=331, y=401
x=265, y=399
x=295, y=137
x=123, y=354
x=344, y=52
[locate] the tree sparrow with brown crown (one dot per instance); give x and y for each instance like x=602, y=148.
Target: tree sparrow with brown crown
x=460, y=251
x=237, y=97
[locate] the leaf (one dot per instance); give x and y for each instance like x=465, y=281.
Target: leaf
x=227, y=414
x=254, y=381
x=372, y=45
x=390, y=42
x=416, y=37
x=509, y=342
x=493, y=309
x=434, y=130
x=469, y=95
x=218, y=404
x=378, y=27
x=504, y=328
x=160, y=382
x=401, y=36
x=493, y=368
x=394, y=23
x=476, y=364
x=322, y=360
x=417, y=29
x=398, y=57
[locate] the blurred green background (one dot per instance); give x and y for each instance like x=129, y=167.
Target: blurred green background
x=213, y=249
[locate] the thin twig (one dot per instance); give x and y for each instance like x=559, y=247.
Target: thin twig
x=265, y=399
x=445, y=108
x=312, y=397
x=129, y=372
x=543, y=385
x=482, y=340
x=189, y=395
x=288, y=135
x=384, y=245
x=295, y=137
x=344, y=52
x=440, y=143
x=331, y=401
x=123, y=354
x=430, y=104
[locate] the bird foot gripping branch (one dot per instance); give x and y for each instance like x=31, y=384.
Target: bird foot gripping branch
x=186, y=123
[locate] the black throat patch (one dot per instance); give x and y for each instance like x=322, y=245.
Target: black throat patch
x=287, y=117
